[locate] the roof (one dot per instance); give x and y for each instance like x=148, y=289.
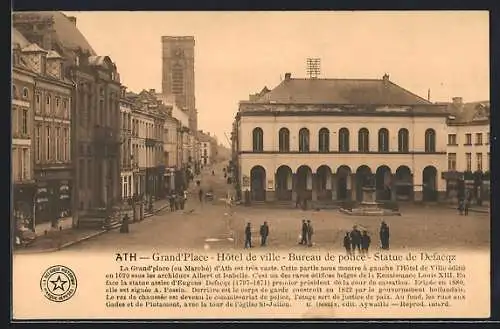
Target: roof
x=66, y=32
x=18, y=38
x=53, y=54
x=34, y=48
x=471, y=112
x=341, y=91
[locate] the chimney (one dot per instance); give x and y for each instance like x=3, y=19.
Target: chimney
x=288, y=76
x=457, y=101
x=72, y=19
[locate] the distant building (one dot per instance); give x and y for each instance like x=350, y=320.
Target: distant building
x=468, y=149
x=327, y=139
x=208, y=148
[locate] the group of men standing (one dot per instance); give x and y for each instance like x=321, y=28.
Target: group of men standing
x=177, y=200
x=361, y=241
x=264, y=233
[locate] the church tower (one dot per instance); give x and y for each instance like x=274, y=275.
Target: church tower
x=178, y=74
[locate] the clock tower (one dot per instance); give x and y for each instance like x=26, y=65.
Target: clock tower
x=178, y=74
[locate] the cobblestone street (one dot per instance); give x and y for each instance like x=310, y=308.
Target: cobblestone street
x=209, y=226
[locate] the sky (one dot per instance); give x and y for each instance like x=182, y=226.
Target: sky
x=238, y=53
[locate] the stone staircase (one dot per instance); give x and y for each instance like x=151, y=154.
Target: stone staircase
x=100, y=218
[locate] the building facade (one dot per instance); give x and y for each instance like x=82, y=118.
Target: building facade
x=148, y=118
x=22, y=116
x=94, y=110
x=170, y=154
x=178, y=74
x=327, y=139
x=127, y=163
x=468, y=150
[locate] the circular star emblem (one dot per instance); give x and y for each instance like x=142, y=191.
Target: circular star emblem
x=58, y=283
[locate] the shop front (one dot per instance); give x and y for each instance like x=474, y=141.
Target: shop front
x=23, y=204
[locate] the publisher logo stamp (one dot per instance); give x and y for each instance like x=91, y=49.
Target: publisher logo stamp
x=58, y=283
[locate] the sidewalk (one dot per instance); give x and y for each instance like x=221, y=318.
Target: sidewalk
x=57, y=239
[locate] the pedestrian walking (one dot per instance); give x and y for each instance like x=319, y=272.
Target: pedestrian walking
x=182, y=200
x=355, y=240
x=461, y=206
x=303, y=237
x=310, y=232
x=264, y=233
x=200, y=195
x=365, y=242
x=466, y=206
x=248, y=236
x=347, y=243
x=171, y=200
x=384, y=235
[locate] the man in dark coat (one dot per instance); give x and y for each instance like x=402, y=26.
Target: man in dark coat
x=264, y=233
x=248, y=236
x=365, y=242
x=200, y=195
x=347, y=243
x=303, y=239
x=355, y=239
x=384, y=235
x=310, y=232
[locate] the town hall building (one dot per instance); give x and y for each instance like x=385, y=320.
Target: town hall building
x=326, y=139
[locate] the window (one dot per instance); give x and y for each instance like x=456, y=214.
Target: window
x=37, y=103
x=479, y=161
x=14, y=91
x=24, y=122
x=452, y=161
x=304, y=140
x=47, y=101
x=58, y=144
x=479, y=138
x=452, y=139
x=468, y=139
x=324, y=140
x=58, y=103
x=25, y=93
x=403, y=140
x=430, y=141
x=383, y=140
x=488, y=163
x=38, y=144
x=284, y=140
x=47, y=143
x=25, y=163
x=363, y=140
x=257, y=138
x=468, y=161
x=343, y=140
x=65, y=107
x=487, y=138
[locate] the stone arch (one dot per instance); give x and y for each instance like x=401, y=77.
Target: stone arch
x=383, y=182
x=324, y=183
x=429, y=182
x=343, y=180
x=404, y=183
x=364, y=178
x=258, y=183
x=304, y=182
x=284, y=183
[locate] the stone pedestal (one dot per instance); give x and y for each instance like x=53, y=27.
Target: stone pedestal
x=270, y=196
